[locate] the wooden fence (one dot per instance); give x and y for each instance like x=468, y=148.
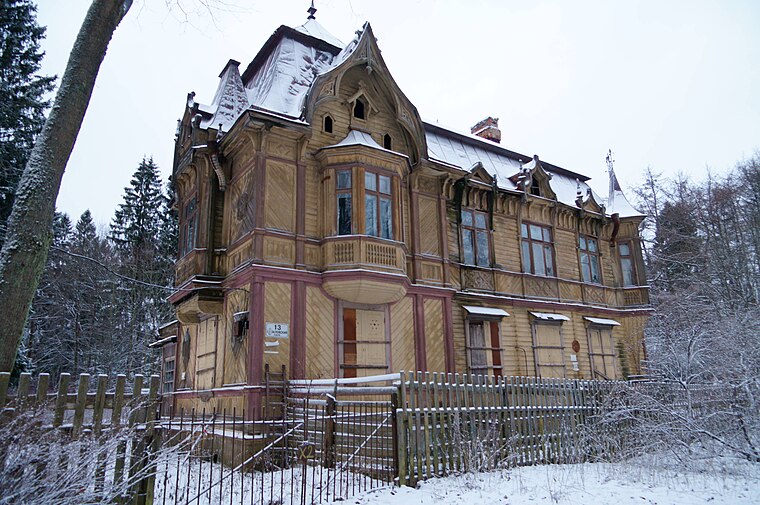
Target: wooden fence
x=114, y=423
x=449, y=423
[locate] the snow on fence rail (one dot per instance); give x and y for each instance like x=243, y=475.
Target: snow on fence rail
x=448, y=423
x=108, y=428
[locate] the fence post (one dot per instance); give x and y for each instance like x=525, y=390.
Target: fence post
x=81, y=403
x=398, y=457
x=22, y=396
x=147, y=463
x=61, y=399
x=330, y=432
x=43, y=383
x=5, y=378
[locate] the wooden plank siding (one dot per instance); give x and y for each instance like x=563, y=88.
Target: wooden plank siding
x=276, y=228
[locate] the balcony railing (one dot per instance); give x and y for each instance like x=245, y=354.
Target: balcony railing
x=359, y=251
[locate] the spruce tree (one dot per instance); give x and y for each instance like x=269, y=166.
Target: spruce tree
x=136, y=232
x=23, y=102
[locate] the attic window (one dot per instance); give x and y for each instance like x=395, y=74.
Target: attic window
x=328, y=125
x=359, y=109
x=535, y=188
x=387, y=142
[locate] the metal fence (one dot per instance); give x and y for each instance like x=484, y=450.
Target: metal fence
x=330, y=439
x=323, y=449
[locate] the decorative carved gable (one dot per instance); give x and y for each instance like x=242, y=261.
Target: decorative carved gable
x=534, y=179
x=479, y=173
x=363, y=52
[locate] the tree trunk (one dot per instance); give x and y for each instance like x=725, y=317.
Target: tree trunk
x=25, y=250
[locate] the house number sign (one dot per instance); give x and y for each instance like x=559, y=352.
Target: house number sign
x=278, y=330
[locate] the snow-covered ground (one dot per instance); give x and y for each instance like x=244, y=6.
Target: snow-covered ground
x=587, y=484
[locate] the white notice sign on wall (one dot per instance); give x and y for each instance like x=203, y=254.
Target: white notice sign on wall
x=277, y=330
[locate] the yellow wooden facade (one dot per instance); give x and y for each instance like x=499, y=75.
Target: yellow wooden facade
x=274, y=270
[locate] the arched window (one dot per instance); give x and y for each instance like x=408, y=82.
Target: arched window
x=359, y=109
x=387, y=142
x=328, y=126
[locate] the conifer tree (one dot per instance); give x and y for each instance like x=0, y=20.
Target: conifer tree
x=23, y=101
x=136, y=232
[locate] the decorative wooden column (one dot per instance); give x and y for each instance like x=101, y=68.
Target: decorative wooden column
x=420, y=356
x=448, y=335
x=298, y=334
x=256, y=330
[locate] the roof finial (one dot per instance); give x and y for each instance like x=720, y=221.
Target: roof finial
x=311, y=10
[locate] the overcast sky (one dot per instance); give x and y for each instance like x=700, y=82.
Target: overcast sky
x=669, y=84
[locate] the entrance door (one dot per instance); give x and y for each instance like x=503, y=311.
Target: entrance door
x=364, y=344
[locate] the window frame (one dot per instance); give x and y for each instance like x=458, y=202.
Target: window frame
x=526, y=238
x=492, y=348
x=612, y=353
x=169, y=358
x=473, y=231
x=328, y=128
x=594, y=257
x=380, y=196
x=630, y=257
x=347, y=194
x=537, y=362
x=359, y=113
x=188, y=240
x=388, y=142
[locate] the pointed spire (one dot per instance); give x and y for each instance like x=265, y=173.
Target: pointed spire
x=614, y=186
x=311, y=10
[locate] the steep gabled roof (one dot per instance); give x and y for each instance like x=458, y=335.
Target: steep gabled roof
x=295, y=67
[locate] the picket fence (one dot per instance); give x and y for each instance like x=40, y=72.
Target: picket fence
x=100, y=412
x=451, y=423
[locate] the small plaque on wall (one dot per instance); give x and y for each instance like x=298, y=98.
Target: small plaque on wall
x=278, y=330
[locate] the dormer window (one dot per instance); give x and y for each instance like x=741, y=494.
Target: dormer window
x=359, y=109
x=328, y=124
x=387, y=142
x=535, y=188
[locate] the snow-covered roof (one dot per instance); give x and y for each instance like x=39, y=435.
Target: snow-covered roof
x=282, y=82
x=281, y=75
x=549, y=317
x=360, y=138
x=601, y=321
x=314, y=29
x=485, y=311
x=230, y=99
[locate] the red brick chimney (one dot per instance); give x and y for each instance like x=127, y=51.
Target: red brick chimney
x=488, y=129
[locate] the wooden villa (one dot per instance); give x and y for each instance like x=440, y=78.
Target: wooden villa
x=326, y=227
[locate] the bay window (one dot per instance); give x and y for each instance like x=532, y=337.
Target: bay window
x=378, y=210
x=343, y=197
x=375, y=217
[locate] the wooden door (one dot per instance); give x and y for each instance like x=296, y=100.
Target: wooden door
x=549, y=354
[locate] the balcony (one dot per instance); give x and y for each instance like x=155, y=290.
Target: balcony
x=362, y=269
x=364, y=252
